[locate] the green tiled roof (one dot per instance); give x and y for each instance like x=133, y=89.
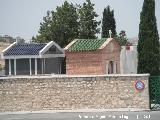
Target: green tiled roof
x=86, y=45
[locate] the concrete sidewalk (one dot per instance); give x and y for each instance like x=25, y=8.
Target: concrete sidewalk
x=106, y=115
x=78, y=110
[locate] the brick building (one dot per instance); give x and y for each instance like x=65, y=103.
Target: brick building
x=93, y=56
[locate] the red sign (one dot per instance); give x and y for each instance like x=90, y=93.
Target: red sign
x=139, y=85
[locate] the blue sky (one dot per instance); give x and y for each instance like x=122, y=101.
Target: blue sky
x=23, y=17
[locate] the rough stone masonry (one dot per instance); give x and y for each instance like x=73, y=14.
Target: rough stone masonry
x=34, y=93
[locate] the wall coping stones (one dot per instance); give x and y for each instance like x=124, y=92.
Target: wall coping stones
x=75, y=76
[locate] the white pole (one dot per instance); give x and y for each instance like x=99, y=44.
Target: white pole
x=107, y=62
x=35, y=66
x=30, y=66
x=60, y=66
x=9, y=66
x=44, y=62
x=110, y=33
x=15, y=67
x=42, y=65
x=114, y=63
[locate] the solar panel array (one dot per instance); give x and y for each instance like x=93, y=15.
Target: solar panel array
x=25, y=49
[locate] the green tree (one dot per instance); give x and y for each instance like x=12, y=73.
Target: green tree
x=108, y=23
x=1, y=39
x=60, y=26
x=88, y=25
x=122, y=38
x=44, y=33
x=148, y=44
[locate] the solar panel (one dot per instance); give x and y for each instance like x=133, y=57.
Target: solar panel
x=25, y=49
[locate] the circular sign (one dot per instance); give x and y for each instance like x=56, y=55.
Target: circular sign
x=139, y=85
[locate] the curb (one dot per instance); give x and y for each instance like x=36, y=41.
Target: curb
x=78, y=110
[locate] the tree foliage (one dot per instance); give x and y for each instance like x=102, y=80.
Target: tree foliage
x=44, y=30
x=60, y=26
x=148, y=45
x=88, y=25
x=108, y=23
x=68, y=22
x=122, y=38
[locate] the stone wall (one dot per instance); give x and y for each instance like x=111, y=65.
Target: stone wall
x=32, y=93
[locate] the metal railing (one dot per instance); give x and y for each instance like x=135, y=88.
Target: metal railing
x=154, y=90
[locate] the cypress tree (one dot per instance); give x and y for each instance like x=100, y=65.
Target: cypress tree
x=108, y=23
x=148, y=44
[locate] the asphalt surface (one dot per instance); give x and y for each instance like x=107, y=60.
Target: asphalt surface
x=148, y=115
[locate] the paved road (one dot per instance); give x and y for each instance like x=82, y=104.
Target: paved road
x=84, y=116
